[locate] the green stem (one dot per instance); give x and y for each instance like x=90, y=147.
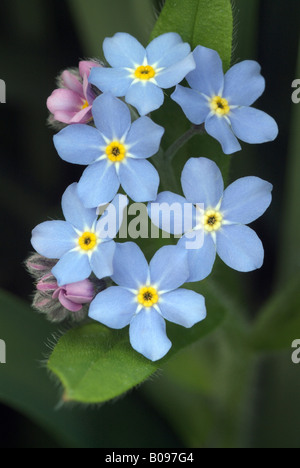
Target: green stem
x=182, y=140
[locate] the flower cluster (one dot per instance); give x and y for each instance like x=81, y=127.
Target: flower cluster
x=79, y=264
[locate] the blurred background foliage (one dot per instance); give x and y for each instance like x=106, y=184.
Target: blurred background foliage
x=212, y=394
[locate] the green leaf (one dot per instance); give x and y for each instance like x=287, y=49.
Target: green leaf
x=96, y=364
x=279, y=322
x=199, y=22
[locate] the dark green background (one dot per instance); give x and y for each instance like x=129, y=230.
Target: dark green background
x=38, y=39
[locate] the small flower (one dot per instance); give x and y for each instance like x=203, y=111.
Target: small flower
x=81, y=243
x=220, y=217
x=116, y=152
x=223, y=102
x=139, y=73
x=72, y=102
x=146, y=295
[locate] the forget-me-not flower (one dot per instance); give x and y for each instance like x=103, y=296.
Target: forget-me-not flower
x=115, y=152
x=223, y=102
x=139, y=74
x=220, y=218
x=146, y=295
x=81, y=243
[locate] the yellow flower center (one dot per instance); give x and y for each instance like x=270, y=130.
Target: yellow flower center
x=220, y=105
x=145, y=72
x=84, y=105
x=148, y=296
x=212, y=220
x=88, y=241
x=115, y=151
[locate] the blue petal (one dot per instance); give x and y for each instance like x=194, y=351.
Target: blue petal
x=183, y=307
x=98, y=184
x=202, y=182
x=74, y=212
x=246, y=200
x=53, y=239
x=194, y=105
x=111, y=116
x=219, y=128
x=111, y=221
x=166, y=49
x=169, y=268
x=102, y=259
x=146, y=97
x=172, y=213
x=208, y=78
x=79, y=144
x=115, y=80
x=139, y=179
x=244, y=84
x=148, y=335
x=240, y=248
x=144, y=138
x=74, y=266
x=201, y=260
x=174, y=74
x=113, y=307
x=253, y=126
x=131, y=269
x=123, y=50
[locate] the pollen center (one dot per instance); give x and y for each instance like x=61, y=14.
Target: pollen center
x=115, y=151
x=148, y=296
x=84, y=105
x=212, y=220
x=88, y=241
x=220, y=105
x=145, y=72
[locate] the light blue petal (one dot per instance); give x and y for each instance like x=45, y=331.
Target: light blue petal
x=53, y=239
x=115, y=80
x=111, y=116
x=208, y=78
x=240, y=248
x=99, y=184
x=202, y=182
x=102, y=259
x=201, y=260
x=174, y=74
x=111, y=221
x=244, y=84
x=131, y=269
x=74, y=212
x=74, y=266
x=146, y=97
x=194, y=105
x=79, y=144
x=246, y=200
x=148, y=335
x=169, y=268
x=163, y=49
x=253, y=126
x=123, y=50
x=139, y=179
x=183, y=307
x=219, y=128
x=113, y=307
x=144, y=138
x=172, y=213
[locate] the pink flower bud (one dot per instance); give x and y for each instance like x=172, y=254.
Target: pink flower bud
x=73, y=296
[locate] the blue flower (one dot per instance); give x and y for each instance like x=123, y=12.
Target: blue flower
x=138, y=73
x=82, y=243
x=116, y=152
x=219, y=218
x=146, y=296
x=223, y=102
